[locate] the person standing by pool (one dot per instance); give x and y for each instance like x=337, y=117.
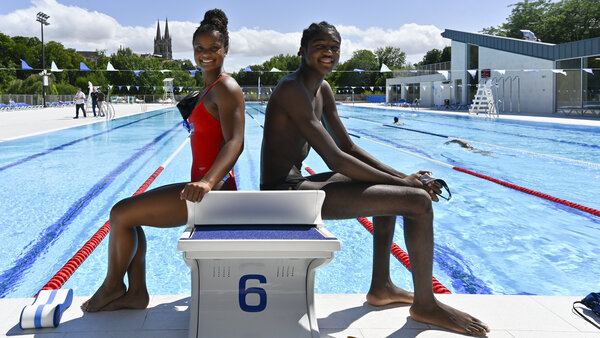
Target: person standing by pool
x=101, y=108
x=94, y=97
x=217, y=138
x=79, y=103
x=301, y=114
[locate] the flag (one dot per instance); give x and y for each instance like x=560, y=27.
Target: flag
x=83, y=67
x=559, y=71
x=444, y=72
x=193, y=72
x=473, y=72
x=55, y=69
x=109, y=67
x=359, y=70
x=24, y=65
x=384, y=68
x=588, y=70
x=247, y=69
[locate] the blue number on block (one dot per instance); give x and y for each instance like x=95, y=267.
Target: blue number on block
x=262, y=294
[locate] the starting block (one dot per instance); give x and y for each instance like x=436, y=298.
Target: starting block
x=253, y=257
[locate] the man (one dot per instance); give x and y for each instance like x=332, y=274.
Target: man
x=94, y=97
x=79, y=103
x=100, y=103
x=359, y=185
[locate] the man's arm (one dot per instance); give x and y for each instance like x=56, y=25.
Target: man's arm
x=296, y=101
x=343, y=139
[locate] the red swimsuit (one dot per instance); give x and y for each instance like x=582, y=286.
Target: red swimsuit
x=206, y=138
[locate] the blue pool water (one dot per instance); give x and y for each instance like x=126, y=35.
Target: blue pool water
x=58, y=188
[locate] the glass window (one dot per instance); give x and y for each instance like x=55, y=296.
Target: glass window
x=473, y=63
x=590, y=83
x=568, y=88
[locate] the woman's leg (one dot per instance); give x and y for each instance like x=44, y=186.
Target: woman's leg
x=160, y=207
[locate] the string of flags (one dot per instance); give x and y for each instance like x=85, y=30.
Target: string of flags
x=383, y=69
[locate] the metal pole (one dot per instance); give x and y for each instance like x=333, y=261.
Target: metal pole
x=42, y=19
x=45, y=80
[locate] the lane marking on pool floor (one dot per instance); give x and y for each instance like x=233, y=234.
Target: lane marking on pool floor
x=62, y=146
x=11, y=276
x=478, y=142
x=64, y=273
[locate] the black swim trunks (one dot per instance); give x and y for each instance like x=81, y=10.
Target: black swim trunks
x=291, y=182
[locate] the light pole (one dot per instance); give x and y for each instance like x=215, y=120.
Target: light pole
x=42, y=19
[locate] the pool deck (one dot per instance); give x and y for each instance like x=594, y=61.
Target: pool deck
x=339, y=315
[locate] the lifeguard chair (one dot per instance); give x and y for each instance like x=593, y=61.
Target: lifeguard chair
x=168, y=96
x=253, y=257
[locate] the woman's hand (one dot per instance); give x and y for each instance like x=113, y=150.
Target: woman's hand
x=195, y=191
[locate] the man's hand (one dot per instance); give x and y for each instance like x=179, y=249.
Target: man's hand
x=432, y=187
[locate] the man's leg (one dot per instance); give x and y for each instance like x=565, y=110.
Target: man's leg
x=345, y=198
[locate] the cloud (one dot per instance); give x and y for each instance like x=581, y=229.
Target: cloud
x=83, y=29
x=413, y=39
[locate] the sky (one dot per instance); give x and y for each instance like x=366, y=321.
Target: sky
x=258, y=30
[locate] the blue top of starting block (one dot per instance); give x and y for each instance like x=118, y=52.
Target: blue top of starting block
x=257, y=232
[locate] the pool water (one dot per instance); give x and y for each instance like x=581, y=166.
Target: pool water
x=58, y=188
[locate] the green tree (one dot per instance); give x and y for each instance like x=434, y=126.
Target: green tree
x=393, y=57
x=361, y=60
x=553, y=22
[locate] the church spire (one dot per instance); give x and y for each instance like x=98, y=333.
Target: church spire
x=158, y=37
x=167, y=28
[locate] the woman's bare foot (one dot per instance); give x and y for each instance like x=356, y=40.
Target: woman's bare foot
x=103, y=296
x=388, y=295
x=449, y=318
x=130, y=300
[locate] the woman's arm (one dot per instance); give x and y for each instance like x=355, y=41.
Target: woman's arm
x=229, y=101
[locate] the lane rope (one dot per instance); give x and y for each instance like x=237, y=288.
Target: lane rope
x=477, y=142
x=491, y=179
x=60, y=278
x=400, y=254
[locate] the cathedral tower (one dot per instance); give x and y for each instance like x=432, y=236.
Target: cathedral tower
x=162, y=45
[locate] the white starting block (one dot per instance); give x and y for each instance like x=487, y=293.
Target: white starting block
x=253, y=256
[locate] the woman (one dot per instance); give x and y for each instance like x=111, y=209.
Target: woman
x=217, y=137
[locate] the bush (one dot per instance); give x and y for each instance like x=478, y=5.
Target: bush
x=65, y=89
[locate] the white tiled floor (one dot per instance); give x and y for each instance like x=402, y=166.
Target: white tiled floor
x=338, y=316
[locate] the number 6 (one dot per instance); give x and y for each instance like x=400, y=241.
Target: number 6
x=262, y=294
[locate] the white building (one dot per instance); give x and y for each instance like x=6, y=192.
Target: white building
x=526, y=76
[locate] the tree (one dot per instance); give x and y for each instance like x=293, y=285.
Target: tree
x=346, y=75
x=393, y=57
x=553, y=22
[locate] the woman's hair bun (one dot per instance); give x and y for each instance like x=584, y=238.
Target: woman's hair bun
x=215, y=17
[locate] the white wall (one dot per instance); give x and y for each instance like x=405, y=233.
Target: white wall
x=536, y=88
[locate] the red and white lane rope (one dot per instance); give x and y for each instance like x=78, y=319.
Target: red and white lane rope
x=400, y=254
x=593, y=164
x=59, y=279
x=491, y=179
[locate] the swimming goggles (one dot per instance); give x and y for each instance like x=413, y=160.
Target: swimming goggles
x=426, y=179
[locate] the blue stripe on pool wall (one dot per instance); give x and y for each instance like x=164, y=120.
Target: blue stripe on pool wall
x=10, y=277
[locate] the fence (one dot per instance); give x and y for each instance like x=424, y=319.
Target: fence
x=250, y=95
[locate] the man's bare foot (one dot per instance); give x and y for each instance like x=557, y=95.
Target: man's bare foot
x=130, y=300
x=449, y=318
x=390, y=294
x=103, y=296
